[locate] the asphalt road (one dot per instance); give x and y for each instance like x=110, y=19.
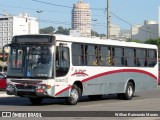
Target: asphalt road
x=144, y=101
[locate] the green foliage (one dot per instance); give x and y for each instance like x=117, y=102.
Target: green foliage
x=138, y=41
x=96, y=34
x=153, y=41
x=64, y=31
x=47, y=30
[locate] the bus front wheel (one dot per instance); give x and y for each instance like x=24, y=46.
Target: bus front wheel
x=36, y=101
x=74, y=96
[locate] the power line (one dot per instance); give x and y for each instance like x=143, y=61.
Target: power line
x=52, y=4
x=57, y=5
x=35, y=9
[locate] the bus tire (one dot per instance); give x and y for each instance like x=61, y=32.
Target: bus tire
x=74, y=96
x=129, y=91
x=36, y=101
x=95, y=97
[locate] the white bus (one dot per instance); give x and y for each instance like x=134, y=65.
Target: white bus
x=58, y=66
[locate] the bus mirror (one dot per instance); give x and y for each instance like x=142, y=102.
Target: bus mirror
x=60, y=44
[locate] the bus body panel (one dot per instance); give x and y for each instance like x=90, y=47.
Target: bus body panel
x=113, y=81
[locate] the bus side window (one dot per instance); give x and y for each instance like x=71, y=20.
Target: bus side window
x=152, y=54
x=118, y=59
x=145, y=58
x=109, y=57
x=104, y=52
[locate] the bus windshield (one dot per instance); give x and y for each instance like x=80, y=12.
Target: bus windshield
x=30, y=61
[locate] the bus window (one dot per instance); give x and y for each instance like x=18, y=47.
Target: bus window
x=17, y=58
x=118, y=56
x=129, y=52
x=76, y=54
x=152, y=58
x=62, y=61
x=92, y=55
x=109, y=56
x=140, y=57
x=145, y=58
x=104, y=54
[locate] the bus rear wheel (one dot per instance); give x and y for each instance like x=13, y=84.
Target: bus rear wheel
x=74, y=96
x=36, y=101
x=129, y=91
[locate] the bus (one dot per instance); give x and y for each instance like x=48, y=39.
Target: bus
x=59, y=66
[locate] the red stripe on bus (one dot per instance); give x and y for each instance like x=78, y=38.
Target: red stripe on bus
x=67, y=88
x=119, y=71
x=110, y=72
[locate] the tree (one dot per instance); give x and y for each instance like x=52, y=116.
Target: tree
x=64, y=31
x=153, y=41
x=47, y=30
x=138, y=41
x=94, y=32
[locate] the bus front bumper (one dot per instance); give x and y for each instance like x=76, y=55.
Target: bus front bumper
x=27, y=91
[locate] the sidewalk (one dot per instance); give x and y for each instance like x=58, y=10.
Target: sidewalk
x=3, y=94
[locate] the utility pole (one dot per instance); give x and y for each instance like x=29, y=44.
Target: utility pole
x=94, y=20
x=108, y=19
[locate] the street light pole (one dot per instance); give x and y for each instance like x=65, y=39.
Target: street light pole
x=39, y=12
x=94, y=20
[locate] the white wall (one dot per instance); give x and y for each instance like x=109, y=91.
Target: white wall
x=144, y=32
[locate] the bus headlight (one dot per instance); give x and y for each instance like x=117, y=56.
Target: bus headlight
x=10, y=86
x=41, y=87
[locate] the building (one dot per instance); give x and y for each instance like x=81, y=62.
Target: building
x=16, y=25
x=81, y=18
x=114, y=31
x=117, y=34
x=150, y=30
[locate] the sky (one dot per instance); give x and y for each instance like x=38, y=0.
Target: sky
x=124, y=13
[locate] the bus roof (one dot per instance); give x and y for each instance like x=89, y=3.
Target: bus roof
x=102, y=41
x=67, y=38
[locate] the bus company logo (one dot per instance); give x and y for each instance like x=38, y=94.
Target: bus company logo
x=25, y=85
x=80, y=73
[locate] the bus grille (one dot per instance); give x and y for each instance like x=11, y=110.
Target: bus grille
x=25, y=87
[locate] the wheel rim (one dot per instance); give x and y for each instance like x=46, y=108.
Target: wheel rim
x=74, y=95
x=130, y=91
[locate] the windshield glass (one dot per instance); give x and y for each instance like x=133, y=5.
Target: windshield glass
x=30, y=61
